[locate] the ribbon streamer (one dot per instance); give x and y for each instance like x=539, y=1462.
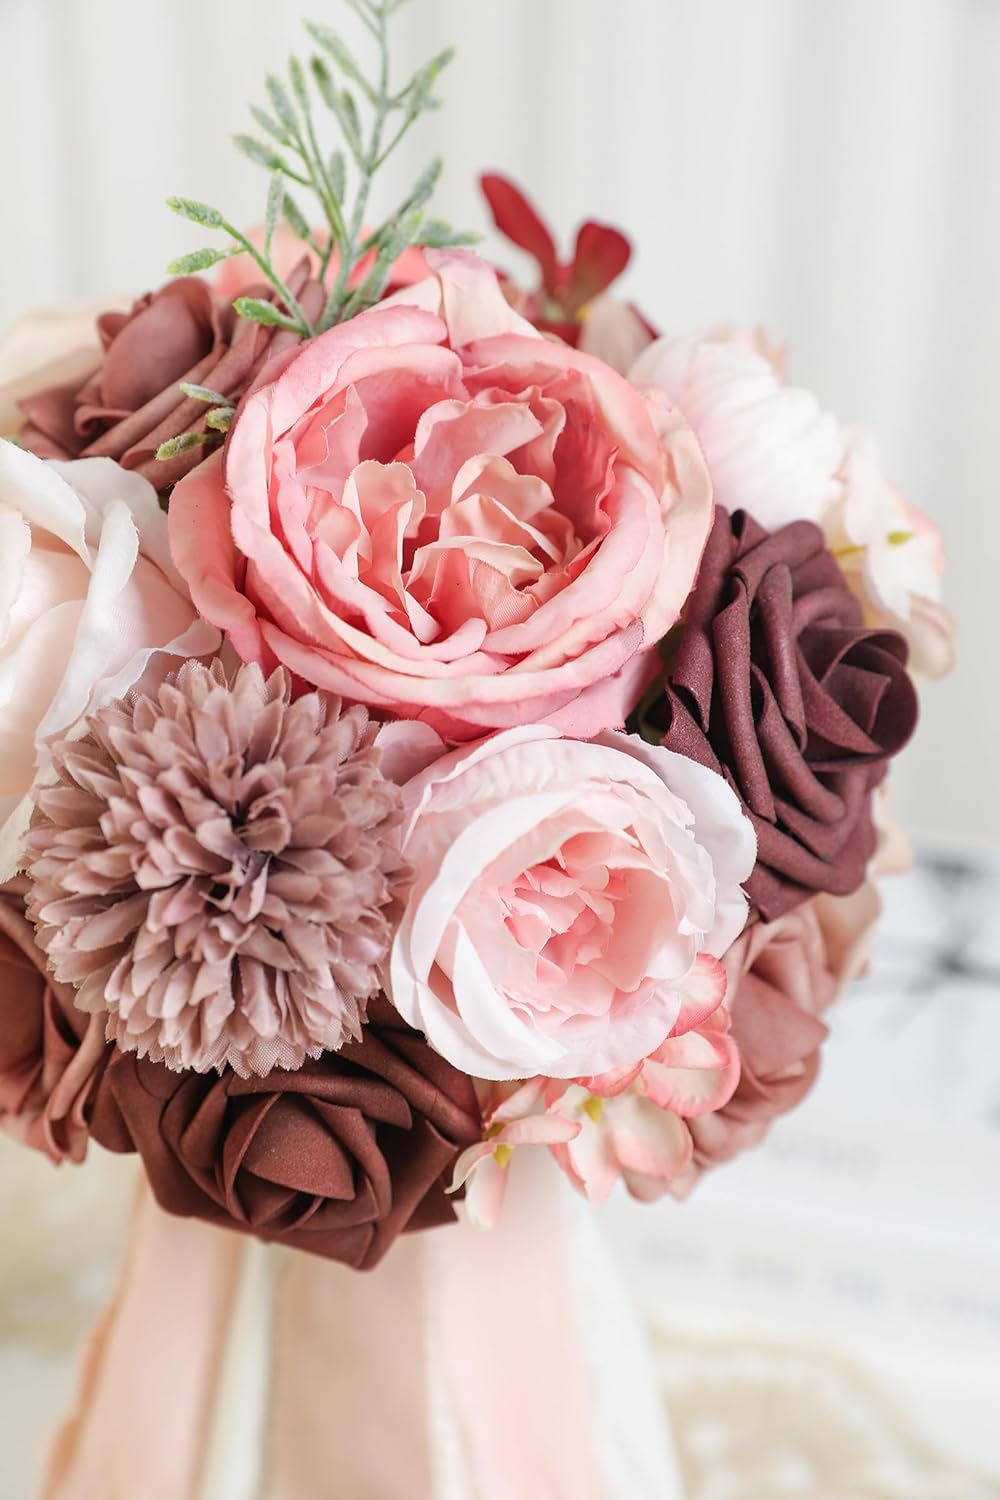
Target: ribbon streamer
x=467, y=1366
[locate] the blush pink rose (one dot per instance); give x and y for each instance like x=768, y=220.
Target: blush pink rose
x=433, y=510
x=570, y=902
x=89, y=603
x=783, y=977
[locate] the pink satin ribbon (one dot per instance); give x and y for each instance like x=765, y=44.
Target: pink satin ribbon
x=511, y=1347
x=144, y=1396
x=455, y=1371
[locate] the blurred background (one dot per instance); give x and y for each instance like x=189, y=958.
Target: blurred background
x=829, y=169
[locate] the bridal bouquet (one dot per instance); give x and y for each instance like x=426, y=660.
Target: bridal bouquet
x=441, y=718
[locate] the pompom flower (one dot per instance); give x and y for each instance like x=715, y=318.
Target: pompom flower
x=212, y=867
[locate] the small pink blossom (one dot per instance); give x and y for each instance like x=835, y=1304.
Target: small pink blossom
x=602, y=1130
x=892, y=556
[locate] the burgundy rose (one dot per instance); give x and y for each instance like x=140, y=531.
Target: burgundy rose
x=778, y=684
x=51, y=1054
x=783, y=976
x=338, y=1157
x=132, y=402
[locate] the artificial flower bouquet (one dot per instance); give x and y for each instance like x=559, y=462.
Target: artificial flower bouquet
x=441, y=719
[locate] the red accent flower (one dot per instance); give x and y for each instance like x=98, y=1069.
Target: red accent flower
x=600, y=256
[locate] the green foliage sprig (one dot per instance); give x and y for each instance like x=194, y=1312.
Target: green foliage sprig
x=372, y=118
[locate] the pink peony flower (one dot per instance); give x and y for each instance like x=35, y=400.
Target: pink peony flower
x=89, y=603
x=770, y=449
x=892, y=555
x=433, y=510
x=606, y=1129
x=569, y=900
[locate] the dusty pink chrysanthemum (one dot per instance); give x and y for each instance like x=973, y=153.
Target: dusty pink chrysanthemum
x=212, y=867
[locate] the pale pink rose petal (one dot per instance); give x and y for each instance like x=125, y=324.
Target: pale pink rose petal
x=693, y=1074
x=702, y=992
x=770, y=449
x=90, y=606
x=45, y=348
x=614, y=332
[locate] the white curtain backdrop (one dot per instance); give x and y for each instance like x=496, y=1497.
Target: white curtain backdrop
x=825, y=167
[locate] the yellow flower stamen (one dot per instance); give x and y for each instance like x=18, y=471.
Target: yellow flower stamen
x=594, y=1107
x=503, y=1154
x=900, y=538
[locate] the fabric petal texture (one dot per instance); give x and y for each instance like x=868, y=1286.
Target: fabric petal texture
x=776, y=683
x=569, y=901
x=435, y=511
x=211, y=869
x=337, y=1158
x=52, y=1056
x=90, y=607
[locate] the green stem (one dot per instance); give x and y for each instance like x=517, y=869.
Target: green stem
x=321, y=187
x=287, y=295
x=352, y=251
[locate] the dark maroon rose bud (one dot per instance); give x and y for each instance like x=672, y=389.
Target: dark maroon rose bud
x=51, y=1054
x=778, y=685
x=133, y=403
x=338, y=1157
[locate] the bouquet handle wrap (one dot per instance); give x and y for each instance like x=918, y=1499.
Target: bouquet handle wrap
x=468, y=1366
x=145, y=1388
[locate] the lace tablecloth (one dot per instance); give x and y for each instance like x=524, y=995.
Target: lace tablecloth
x=825, y=1314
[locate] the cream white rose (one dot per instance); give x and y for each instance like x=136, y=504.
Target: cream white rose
x=89, y=601
x=771, y=449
